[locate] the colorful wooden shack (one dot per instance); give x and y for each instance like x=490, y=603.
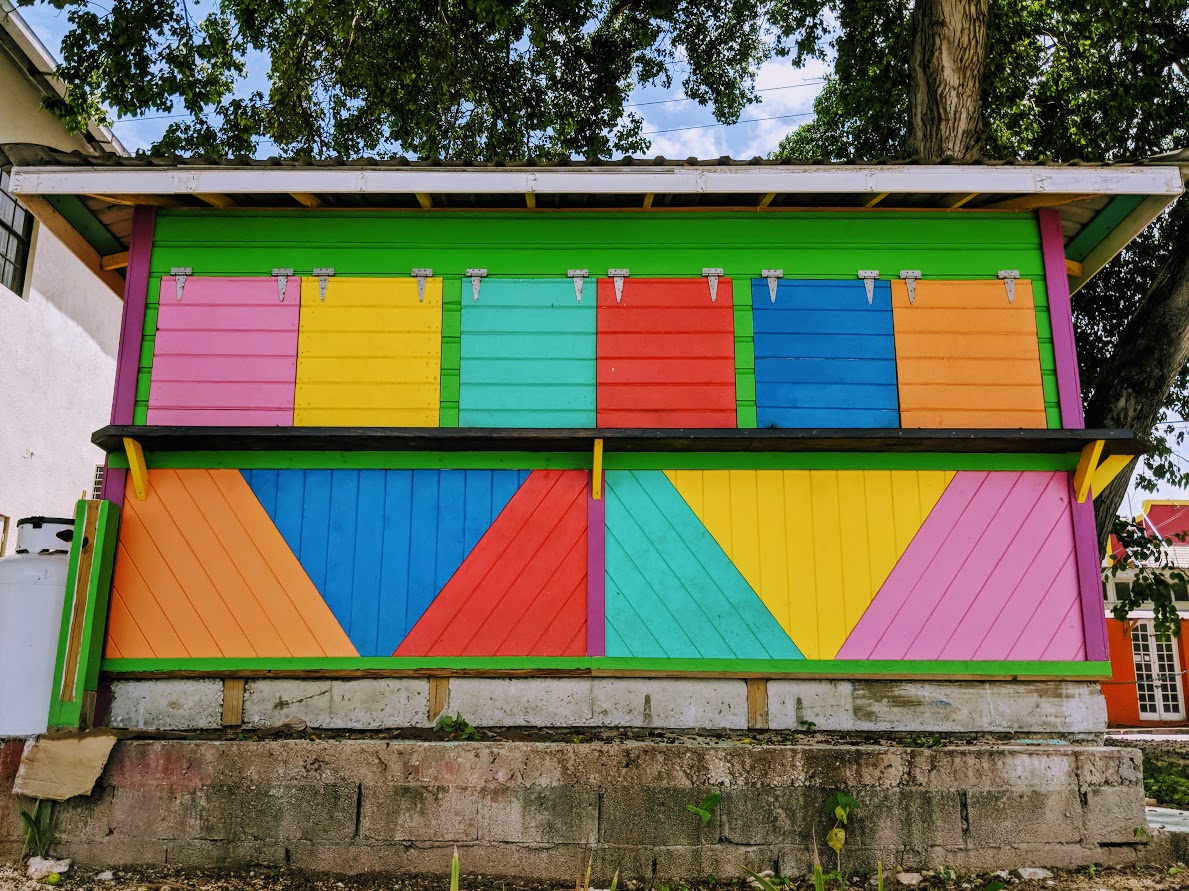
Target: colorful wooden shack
x=741, y=420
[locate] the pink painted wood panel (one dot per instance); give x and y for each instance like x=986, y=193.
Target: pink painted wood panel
x=226, y=353
x=991, y=575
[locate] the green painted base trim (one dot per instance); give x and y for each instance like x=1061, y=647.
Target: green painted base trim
x=276, y=460
x=614, y=664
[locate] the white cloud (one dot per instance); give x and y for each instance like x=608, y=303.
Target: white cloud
x=784, y=91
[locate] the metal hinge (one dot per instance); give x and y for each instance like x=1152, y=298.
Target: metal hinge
x=180, y=273
x=324, y=273
x=1009, y=277
x=712, y=275
x=476, y=276
x=617, y=276
x=910, y=277
x=578, y=275
x=869, y=276
x=282, y=277
x=421, y=274
x=772, y=275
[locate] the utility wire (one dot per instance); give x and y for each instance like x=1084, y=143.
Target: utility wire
x=779, y=117
x=804, y=83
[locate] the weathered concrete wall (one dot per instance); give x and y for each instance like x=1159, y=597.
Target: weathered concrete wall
x=1071, y=710
x=537, y=809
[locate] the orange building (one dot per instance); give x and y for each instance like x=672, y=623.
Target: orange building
x=1147, y=684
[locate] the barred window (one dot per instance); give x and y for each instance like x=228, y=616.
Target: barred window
x=16, y=229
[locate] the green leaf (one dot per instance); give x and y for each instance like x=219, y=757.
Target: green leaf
x=765, y=883
x=836, y=838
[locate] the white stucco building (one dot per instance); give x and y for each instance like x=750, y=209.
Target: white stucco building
x=59, y=322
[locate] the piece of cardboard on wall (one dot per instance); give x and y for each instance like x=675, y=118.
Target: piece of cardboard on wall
x=59, y=767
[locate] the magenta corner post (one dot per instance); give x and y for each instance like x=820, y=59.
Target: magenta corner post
x=136, y=292
x=1089, y=563
x=596, y=573
x=1065, y=351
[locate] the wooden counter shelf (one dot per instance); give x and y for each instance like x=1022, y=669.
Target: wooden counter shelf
x=474, y=439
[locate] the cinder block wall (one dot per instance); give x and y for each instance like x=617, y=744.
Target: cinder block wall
x=539, y=810
x=1070, y=710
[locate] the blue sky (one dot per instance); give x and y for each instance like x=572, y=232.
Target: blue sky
x=678, y=127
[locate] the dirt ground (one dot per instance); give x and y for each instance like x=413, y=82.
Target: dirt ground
x=1173, y=877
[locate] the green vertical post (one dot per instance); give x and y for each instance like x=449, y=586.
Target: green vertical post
x=745, y=358
x=84, y=611
x=451, y=350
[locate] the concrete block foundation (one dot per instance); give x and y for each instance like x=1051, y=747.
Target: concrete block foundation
x=538, y=810
x=1072, y=710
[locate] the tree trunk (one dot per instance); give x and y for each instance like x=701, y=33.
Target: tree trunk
x=1151, y=352
x=949, y=49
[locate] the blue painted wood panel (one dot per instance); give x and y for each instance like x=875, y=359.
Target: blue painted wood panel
x=379, y=544
x=824, y=356
x=671, y=592
x=527, y=354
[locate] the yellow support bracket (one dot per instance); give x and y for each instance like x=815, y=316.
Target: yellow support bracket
x=596, y=473
x=137, y=467
x=1110, y=468
x=1094, y=475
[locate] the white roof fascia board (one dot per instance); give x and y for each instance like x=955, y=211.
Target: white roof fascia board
x=1156, y=181
x=46, y=65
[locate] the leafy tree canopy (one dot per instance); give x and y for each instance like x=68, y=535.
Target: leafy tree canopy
x=459, y=79
x=1105, y=80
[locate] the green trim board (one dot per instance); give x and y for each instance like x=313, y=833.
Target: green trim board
x=1105, y=222
x=331, y=460
x=451, y=351
x=745, y=365
x=599, y=664
x=85, y=223
x=91, y=634
x=962, y=245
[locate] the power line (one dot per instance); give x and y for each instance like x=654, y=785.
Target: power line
x=804, y=83
x=779, y=117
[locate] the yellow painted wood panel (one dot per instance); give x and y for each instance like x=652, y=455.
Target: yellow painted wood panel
x=966, y=357
x=815, y=545
x=370, y=354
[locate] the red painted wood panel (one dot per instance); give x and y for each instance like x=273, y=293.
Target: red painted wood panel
x=522, y=590
x=666, y=354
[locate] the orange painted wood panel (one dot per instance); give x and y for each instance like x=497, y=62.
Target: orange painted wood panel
x=201, y=571
x=666, y=354
x=966, y=356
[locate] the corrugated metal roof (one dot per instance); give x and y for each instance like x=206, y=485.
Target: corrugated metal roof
x=1102, y=206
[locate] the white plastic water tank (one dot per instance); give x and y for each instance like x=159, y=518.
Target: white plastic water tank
x=32, y=589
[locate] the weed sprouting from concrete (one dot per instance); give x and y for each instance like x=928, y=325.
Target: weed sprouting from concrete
x=37, y=828
x=456, y=728
x=705, y=810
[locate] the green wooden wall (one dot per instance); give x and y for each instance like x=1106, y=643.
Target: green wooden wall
x=805, y=244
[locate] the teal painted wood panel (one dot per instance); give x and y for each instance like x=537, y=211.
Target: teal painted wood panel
x=810, y=244
x=527, y=354
x=671, y=592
